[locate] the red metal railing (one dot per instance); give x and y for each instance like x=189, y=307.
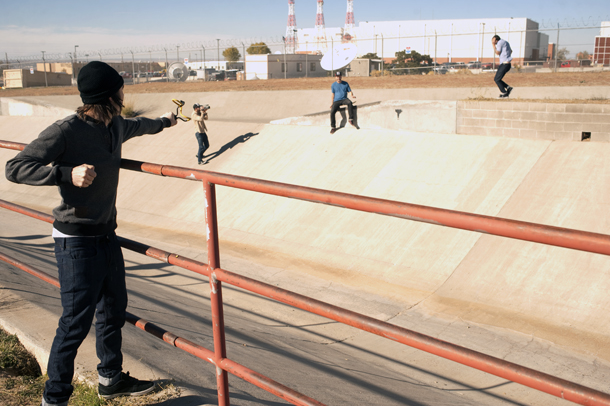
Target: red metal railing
x=581, y=240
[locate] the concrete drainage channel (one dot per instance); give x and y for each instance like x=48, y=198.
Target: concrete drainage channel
x=19, y=108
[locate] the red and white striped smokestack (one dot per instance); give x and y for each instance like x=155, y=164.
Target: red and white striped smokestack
x=320, y=15
x=349, y=17
x=291, y=28
x=292, y=21
x=348, y=31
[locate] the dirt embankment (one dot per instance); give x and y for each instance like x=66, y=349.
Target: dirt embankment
x=515, y=79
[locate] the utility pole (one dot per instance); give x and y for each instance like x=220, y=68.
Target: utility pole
x=494, y=51
x=44, y=66
x=482, y=43
x=244, y=50
x=435, y=42
x=218, y=52
x=450, y=57
x=306, y=52
x=382, y=62
x=556, y=48
x=74, y=65
x=479, y=53
x=74, y=62
x=133, y=69
x=166, y=70
x=204, y=71
x=332, y=56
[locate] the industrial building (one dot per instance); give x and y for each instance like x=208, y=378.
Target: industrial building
x=280, y=66
x=444, y=40
x=21, y=78
x=462, y=40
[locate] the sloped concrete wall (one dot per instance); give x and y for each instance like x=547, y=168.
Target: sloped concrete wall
x=549, y=293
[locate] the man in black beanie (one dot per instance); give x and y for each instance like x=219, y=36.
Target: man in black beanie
x=84, y=153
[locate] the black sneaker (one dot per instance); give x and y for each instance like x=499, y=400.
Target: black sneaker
x=126, y=386
x=508, y=90
x=503, y=95
x=333, y=130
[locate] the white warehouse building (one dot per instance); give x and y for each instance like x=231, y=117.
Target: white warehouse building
x=444, y=40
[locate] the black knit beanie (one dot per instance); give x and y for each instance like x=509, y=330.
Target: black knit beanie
x=97, y=81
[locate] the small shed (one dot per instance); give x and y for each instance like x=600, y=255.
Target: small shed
x=21, y=78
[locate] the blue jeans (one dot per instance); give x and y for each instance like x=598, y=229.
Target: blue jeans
x=202, y=139
x=502, y=70
x=92, y=278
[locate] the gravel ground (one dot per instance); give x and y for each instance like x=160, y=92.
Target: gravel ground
x=515, y=79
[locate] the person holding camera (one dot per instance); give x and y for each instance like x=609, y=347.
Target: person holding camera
x=199, y=116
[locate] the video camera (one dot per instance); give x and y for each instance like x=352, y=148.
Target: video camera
x=203, y=106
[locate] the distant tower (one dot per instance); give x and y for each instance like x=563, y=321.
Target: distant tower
x=348, y=31
x=321, y=29
x=291, y=30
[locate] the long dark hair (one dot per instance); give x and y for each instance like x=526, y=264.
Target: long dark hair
x=103, y=111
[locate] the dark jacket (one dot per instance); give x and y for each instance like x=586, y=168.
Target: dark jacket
x=72, y=142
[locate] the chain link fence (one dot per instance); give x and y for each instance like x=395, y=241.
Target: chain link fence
x=144, y=63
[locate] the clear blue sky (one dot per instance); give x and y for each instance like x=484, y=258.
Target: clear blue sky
x=30, y=26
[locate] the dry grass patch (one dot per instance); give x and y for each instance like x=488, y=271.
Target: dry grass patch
x=21, y=383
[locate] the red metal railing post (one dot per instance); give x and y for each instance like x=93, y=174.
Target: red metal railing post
x=218, y=322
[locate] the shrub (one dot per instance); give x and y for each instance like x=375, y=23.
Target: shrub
x=129, y=110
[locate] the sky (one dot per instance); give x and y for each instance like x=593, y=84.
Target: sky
x=28, y=27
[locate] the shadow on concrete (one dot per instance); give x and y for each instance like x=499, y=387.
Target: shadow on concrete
x=172, y=307
x=238, y=140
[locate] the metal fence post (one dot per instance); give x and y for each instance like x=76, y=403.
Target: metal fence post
x=382, y=61
x=133, y=69
x=218, y=323
x=557, y=48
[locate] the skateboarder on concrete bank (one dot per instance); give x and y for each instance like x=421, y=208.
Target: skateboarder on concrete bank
x=199, y=116
x=340, y=90
x=503, y=49
x=81, y=155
